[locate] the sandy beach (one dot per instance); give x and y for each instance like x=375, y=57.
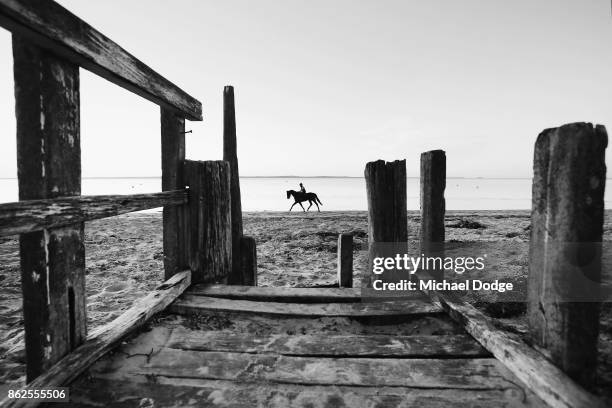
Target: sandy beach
x=124, y=262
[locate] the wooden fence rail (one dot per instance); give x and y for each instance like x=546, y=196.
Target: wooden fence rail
x=34, y=215
x=50, y=44
x=52, y=27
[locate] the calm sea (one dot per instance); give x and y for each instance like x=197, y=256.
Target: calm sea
x=268, y=194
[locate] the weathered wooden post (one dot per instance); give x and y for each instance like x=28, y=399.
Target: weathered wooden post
x=345, y=260
x=564, y=254
x=248, y=261
x=433, y=183
x=49, y=165
x=231, y=156
x=210, y=225
x=387, y=210
x=173, y=157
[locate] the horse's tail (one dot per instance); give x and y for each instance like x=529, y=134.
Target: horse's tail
x=317, y=198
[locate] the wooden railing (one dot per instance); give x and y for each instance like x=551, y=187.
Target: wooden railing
x=49, y=46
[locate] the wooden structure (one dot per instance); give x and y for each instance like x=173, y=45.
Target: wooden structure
x=345, y=260
x=244, y=263
x=210, y=221
x=433, y=205
x=565, y=246
x=196, y=353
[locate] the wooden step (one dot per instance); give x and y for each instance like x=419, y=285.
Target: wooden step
x=283, y=294
x=277, y=294
x=473, y=374
x=189, y=392
x=325, y=345
x=190, y=304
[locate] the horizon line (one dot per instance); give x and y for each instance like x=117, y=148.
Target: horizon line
x=290, y=177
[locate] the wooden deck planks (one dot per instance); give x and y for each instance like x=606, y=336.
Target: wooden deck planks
x=328, y=345
x=545, y=379
x=190, y=304
x=103, y=339
x=185, y=392
x=289, y=295
x=473, y=374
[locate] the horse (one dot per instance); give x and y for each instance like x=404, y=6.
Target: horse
x=300, y=197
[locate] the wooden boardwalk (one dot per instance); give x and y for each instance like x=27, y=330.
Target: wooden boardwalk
x=177, y=362
x=186, y=344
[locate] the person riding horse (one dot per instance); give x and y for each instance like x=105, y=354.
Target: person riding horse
x=301, y=196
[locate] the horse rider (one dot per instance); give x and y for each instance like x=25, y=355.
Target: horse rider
x=302, y=189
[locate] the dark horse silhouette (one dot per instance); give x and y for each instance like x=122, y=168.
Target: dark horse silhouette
x=300, y=197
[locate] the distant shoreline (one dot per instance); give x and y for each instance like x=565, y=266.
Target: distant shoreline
x=290, y=177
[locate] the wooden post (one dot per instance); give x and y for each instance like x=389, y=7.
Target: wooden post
x=173, y=156
x=210, y=238
x=345, y=260
x=49, y=165
x=248, y=266
x=387, y=210
x=231, y=156
x=433, y=183
x=564, y=254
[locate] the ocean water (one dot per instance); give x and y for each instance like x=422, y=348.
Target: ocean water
x=336, y=193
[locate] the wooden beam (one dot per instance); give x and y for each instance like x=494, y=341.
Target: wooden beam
x=50, y=26
x=248, y=260
x=47, y=106
x=329, y=345
x=34, y=215
x=565, y=246
x=190, y=304
x=230, y=154
x=189, y=392
x=210, y=224
x=174, y=218
x=104, y=338
x=433, y=183
x=538, y=373
x=283, y=294
x=345, y=260
x=462, y=373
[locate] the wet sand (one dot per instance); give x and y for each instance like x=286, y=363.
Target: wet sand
x=125, y=261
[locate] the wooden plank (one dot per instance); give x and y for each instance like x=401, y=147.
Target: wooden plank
x=174, y=218
x=190, y=392
x=34, y=215
x=106, y=337
x=565, y=246
x=52, y=27
x=546, y=380
x=230, y=154
x=345, y=260
x=473, y=373
x=282, y=294
x=433, y=183
x=47, y=106
x=210, y=221
x=190, y=304
x=329, y=345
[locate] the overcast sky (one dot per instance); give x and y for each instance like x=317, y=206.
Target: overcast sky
x=323, y=86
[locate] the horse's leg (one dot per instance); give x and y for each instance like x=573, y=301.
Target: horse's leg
x=318, y=209
x=292, y=206
x=300, y=203
x=309, y=205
